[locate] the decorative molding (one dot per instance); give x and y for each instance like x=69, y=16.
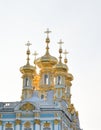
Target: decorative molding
x=36, y=121
x=0, y=122
x=36, y=114
x=27, y=107
x=27, y=124
x=0, y=115
x=8, y=125
x=46, y=124
x=17, y=122
x=18, y=115
x=56, y=121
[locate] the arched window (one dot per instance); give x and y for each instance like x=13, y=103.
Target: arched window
x=27, y=82
x=59, y=80
x=46, y=79
x=42, y=96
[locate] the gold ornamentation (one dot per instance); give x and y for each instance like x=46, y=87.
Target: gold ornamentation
x=56, y=121
x=69, y=84
x=0, y=122
x=27, y=124
x=28, y=51
x=36, y=114
x=47, y=32
x=0, y=115
x=18, y=114
x=71, y=125
x=77, y=113
x=36, y=82
x=8, y=125
x=46, y=124
x=17, y=122
x=71, y=109
x=27, y=107
x=70, y=77
x=65, y=53
x=36, y=121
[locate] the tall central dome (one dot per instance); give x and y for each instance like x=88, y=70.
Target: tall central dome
x=47, y=60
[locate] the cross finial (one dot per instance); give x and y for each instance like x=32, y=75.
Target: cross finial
x=60, y=43
x=60, y=50
x=65, y=53
x=28, y=52
x=47, y=41
x=28, y=44
x=35, y=54
x=47, y=32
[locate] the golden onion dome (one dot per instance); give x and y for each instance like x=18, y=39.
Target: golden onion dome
x=60, y=66
x=47, y=60
x=28, y=68
x=70, y=77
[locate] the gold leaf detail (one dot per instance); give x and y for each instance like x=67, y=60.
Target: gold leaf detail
x=17, y=122
x=56, y=121
x=46, y=124
x=9, y=125
x=27, y=124
x=37, y=121
x=0, y=115
x=27, y=107
x=0, y=122
x=18, y=114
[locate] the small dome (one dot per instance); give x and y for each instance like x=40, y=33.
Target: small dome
x=27, y=69
x=70, y=77
x=61, y=66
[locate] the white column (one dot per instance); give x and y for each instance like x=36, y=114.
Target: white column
x=17, y=123
x=37, y=124
x=0, y=127
x=56, y=124
x=17, y=127
x=55, y=127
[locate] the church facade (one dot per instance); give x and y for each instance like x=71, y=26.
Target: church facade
x=46, y=96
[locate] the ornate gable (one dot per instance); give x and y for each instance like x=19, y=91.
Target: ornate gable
x=27, y=107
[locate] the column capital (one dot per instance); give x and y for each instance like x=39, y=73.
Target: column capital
x=37, y=121
x=17, y=122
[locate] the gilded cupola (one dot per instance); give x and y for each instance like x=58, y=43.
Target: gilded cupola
x=28, y=68
x=60, y=66
x=47, y=60
x=28, y=71
x=46, y=63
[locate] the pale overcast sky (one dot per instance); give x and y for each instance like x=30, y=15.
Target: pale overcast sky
x=78, y=24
